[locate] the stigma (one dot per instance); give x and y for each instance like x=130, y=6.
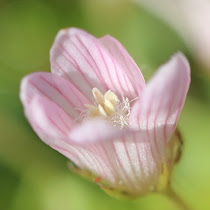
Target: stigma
x=110, y=108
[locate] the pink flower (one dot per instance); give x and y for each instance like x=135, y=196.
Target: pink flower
x=96, y=109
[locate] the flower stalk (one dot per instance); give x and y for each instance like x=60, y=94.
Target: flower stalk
x=175, y=198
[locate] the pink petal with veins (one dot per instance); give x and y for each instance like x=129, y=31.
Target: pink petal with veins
x=125, y=60
x=158, y=110
x=131, y=159
x=82, y=59
x=52, y=125
x=56, y=89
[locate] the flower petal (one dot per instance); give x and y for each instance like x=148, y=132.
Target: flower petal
x=125, y=60
x=52, y=125
x=127, y=154
x=56, y=89
x=48, y=119
x=158, y=110
x=81, y=58
x=132, y=161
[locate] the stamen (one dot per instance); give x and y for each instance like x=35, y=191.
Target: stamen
x=110, y=96
x=110, y=108
x=102, y=111
x=98, y=96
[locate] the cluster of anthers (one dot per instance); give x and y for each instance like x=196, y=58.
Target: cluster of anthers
x=109, y=107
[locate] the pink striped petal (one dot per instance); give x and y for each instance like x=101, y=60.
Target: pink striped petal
x=82, y=59
x=128, y=155
x=127, y=162
x=158, y=110
x=125, y=60
x=132, y=160
x=52, y=125
x=56, y=89
x=50, y=122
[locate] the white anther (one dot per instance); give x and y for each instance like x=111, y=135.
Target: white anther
x=109, y=107
x=110, y=96
x=101, y=111
x=98, y=96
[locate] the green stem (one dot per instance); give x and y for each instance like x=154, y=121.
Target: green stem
x=176, y=199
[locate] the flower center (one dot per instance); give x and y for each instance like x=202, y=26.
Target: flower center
x=109, y=107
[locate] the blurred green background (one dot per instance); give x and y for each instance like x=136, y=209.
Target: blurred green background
x=35, y=177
